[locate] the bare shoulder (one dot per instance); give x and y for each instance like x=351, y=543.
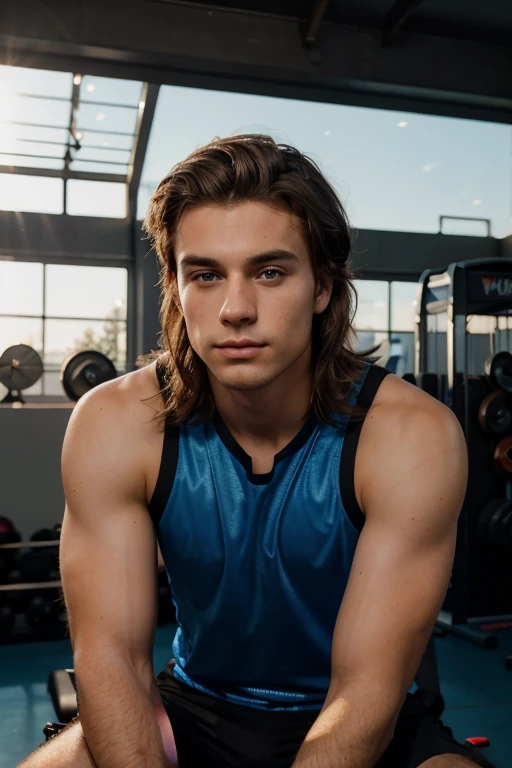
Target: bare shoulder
x=119, y=420
x=404, y=428
x=133, y=398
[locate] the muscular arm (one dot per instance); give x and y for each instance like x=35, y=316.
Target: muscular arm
x=108, y=560
x=412, y=496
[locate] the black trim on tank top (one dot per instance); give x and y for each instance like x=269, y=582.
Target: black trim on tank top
x=374, y=379
x=168, y=464
x=245, y=460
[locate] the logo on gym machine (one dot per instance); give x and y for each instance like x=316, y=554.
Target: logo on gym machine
x=502, y=286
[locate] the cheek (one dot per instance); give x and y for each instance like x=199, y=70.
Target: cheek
x=294, y=307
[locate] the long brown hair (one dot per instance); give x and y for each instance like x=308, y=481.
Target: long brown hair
x=253, y=167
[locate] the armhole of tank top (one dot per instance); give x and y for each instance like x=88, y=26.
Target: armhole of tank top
x=373, y=380
x=168, y=465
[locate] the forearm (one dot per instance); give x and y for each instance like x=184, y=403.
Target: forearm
x=120, y=716
x=353, y=729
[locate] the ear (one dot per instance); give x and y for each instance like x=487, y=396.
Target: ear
x=323, y=295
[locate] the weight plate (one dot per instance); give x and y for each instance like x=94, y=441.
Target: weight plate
x=495, y=414
x=499, y=370
x=20, y=367
x=82, y=371
x=502, y=456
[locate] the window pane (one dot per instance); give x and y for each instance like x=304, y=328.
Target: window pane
x=66, y=336
x=52, y=383
x=31, y=162
x=25, y=109
x=78, y=165
x=21, y=288
x=22, y=147
x=394, y=171
x=403, y=306
x=33, y=133
x=460, y=227
x=21, y=330
x=91, y=139
x=372, y=309
x=76, y=291
x=96, y=198
x=38, y=82
x=110, y=90
x=106, y=118
x=103, y=154
x=367, y=340
x=31, y=193
x=402, y=352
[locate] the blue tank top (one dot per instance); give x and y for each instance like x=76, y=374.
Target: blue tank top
x=258, y=564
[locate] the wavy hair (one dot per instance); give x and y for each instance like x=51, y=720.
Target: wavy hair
x=233, y=170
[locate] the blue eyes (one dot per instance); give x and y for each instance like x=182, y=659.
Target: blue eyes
x=203, y=274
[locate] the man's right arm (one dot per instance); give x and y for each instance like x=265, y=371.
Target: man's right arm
x=108, y=566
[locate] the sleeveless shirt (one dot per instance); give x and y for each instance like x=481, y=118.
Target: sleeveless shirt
x=258, y=564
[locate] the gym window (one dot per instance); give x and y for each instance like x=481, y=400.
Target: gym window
x=59, y=309
x=386, y=315
x=66, y=141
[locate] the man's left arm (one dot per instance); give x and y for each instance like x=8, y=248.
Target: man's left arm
x=412, y=495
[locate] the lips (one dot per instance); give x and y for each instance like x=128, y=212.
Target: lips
x=239, y=344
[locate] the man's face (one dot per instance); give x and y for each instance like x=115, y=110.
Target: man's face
x=227, y=295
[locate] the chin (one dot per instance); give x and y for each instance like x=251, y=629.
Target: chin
x=244, y=381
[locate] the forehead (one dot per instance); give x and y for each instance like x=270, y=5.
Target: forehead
x=243, y=229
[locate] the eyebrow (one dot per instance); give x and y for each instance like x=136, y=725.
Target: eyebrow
x=277, y=254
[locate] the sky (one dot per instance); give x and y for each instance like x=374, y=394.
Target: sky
x=392, y=170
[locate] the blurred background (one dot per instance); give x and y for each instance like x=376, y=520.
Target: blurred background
x=406, y=106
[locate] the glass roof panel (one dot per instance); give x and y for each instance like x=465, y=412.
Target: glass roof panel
x=83, y=165
x=37, y=82
x=21, y=147
x=34, y=132
x=36, y=111
x=33, y=110
x=110, y=90
x=31, y=162
x=106, y=118
x=93, y=139
x=102, y=154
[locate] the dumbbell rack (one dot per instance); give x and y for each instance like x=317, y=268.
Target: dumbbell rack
x=22, y=631
x=59, y=630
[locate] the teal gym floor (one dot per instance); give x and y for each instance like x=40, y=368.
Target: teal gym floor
x=476, y=687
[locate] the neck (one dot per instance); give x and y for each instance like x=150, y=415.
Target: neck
x=270, y=416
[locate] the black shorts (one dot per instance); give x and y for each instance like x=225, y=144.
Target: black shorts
x=213, y=733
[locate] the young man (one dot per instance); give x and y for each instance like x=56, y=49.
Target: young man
x=305, y=503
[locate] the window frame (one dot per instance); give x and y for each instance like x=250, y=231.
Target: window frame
x=117, y=262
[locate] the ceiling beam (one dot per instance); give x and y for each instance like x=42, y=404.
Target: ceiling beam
x=255, y=53
x=148, y=100
x=63, y=174
x=396, y=18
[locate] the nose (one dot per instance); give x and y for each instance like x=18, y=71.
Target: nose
x=239, y=305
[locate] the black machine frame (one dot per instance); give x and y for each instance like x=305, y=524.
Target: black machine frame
x=463, y=289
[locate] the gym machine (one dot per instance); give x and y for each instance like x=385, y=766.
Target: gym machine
x=463, y=357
